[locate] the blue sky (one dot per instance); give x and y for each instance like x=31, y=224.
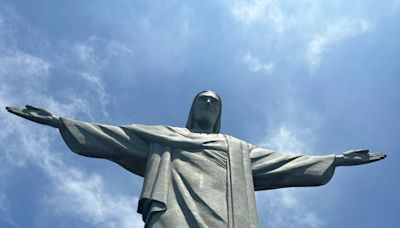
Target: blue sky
x=309, y=76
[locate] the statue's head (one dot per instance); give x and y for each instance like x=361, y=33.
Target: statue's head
x=205, y=112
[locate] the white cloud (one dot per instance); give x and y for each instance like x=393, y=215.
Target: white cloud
x=287, y=207
x=117, y=48
x=72, y=191
x=284, y=139
x=94, y=56
x=185, y=27
x=308, y=28
x=249, y=12
x=85, y=197
x=334, y=33
x=266, y=12
x=255, y=65
x=99, y=88
x=2, y=202
x=396, y=5
x=4, y=213
x=96, y=52
x=22, y=65
x=85, y=53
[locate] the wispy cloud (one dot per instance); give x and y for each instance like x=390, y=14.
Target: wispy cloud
x=255, y=65
x=286, y=140
x=287, y=208
x=94, y=56
x=2, y=202
x=27, y=65
x=267, y=12
x=98, y=87
x=312, y=31
x=3, y=207
x=279, y=204
x=334, y=33
x=396, y=5
x=97, y=52
x=4, y=213
x=84, y=197
x=72, y=191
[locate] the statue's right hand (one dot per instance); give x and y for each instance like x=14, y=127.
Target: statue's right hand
x=37, y=115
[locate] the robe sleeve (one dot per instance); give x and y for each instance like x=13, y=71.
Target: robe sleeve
x=273, y=170
x=106, y=141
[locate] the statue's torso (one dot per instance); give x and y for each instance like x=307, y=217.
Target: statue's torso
x=197, y=190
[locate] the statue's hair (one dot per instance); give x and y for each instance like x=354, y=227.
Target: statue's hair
x=217, y=125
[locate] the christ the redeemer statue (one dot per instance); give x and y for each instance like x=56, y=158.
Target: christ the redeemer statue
x=196, y=176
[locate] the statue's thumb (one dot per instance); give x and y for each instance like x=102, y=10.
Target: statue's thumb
x=30, y=107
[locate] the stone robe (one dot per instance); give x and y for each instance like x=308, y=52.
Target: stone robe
x=195, y=179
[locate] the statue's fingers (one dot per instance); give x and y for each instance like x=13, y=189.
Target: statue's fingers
x=378, y=156
x=14, y=110
x=362, y=151
x=30, y=107
x=18, y=112
x=11, y=109
x=349, y=152
x=37, y=110
x=358, y=151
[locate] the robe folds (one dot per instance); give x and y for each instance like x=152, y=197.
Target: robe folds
x=195, y=179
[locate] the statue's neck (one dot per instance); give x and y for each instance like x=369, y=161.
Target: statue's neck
x=202, y=126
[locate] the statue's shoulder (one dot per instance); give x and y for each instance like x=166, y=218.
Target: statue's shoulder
x=156, y=132
x=180, y=130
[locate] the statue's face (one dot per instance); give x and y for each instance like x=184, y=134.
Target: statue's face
x=207, y=107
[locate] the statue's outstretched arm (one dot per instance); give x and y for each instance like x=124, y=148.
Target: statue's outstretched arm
x=93, y=140
x=37, y=115
x=357, y=157
x=278, y=170
x=272, y=170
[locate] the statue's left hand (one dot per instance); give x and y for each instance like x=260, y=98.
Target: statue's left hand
x=37, y=115
x=357, y=157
